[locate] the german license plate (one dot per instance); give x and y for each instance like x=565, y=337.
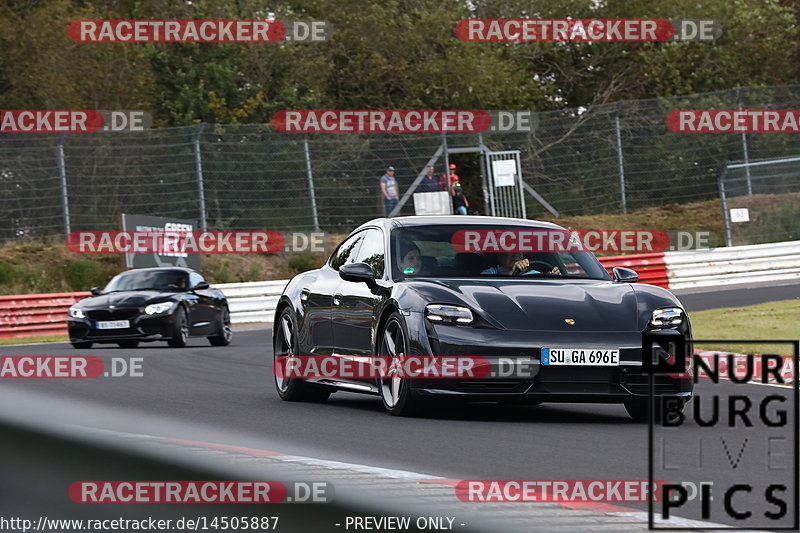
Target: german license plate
x=114, y=324
x=579, y=357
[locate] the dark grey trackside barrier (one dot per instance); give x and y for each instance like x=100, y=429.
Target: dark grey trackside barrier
x=48, y=442
x=40, y=458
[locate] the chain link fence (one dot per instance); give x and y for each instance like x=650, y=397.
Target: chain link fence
x=608, y=158
x=761, y=200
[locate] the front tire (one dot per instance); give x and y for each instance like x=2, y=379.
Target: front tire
x=180, y=330
x=639, y=409
x=224, y=331
x=395, y=390
x=286, y=345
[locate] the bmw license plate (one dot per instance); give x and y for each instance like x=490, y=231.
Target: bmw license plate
x=579, y=357
x=114, y=324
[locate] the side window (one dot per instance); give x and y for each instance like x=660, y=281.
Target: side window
x=346, y=251
x=573, y=267
x=194, y=279
x=372, y=252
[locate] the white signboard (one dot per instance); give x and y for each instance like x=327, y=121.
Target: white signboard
x=740, y=215
x=433, y=203
x=504, y=172
x=167, y=257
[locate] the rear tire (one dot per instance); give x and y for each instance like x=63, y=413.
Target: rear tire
x=128, y=344
x=286, y=345
x=398, y=400
x=637, y=409
x=180, y=330
x=81, y=345
x=224, y=331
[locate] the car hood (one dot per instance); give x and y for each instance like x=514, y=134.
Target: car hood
x=541, y=305
x=125, y=299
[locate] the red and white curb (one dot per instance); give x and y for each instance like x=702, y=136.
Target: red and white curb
x=407, y=475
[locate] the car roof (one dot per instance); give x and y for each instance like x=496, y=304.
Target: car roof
x=154, y=269
x=438, y=220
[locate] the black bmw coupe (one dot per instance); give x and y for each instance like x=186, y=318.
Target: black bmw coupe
x=151, y=304
x=405, y=287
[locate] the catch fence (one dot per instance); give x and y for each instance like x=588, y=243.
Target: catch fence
x=608, y=158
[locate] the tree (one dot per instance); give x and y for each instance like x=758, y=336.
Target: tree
x=40, y=68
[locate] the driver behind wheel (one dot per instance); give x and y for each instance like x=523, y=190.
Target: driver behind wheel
x=514, y=264
x=410, y=258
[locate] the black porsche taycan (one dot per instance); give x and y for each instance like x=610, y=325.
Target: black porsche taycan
x=400, y=287
x=151, y=304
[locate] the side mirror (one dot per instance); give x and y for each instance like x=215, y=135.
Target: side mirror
x=625, y=275
x=357, y=272
x=96, y=291
x=203, y=285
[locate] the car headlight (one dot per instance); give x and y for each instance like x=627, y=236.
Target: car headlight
x=448, y=314
x=157, y=309
x=667, y=317
x=74, y=312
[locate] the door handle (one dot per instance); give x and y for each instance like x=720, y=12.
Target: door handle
x=336, y=298
x=304, y=294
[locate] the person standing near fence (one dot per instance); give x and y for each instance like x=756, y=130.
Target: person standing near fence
x=460, y=202
x=429, y=183
x=389, y=191
x=446, y=182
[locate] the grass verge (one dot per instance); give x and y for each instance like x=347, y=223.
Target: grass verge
x=767, y=321
x=34, y=340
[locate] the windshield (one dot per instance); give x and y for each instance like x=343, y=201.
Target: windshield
x=138, y=280
x=440, y=252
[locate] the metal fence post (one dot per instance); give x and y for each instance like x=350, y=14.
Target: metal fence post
x=446, y=159
x=310, y=176
x=723, y=198
x=62, y=171
x=198, y=163
x=745, y=151
x=484, y=170
x=621, y=164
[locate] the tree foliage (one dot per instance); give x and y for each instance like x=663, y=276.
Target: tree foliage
x=383, y=54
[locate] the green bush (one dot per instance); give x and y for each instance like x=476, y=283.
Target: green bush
x=18, y=279
x=81, y=274
x=8, y=274
x=218, y=272
x=306, y=261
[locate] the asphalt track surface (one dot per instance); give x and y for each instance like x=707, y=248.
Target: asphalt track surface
x=231, y=390
x=736, y=296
